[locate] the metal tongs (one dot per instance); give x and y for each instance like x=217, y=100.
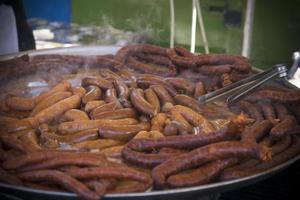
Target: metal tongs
x=235, y=91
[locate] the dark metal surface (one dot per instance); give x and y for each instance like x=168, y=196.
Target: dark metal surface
x=182, y=193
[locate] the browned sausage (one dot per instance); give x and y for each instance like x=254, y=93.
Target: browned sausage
x=93, y=93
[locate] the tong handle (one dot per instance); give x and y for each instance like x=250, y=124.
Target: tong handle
x=279, y=70
x=295, y=66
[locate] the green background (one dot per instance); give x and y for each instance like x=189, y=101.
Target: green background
x=275, y=32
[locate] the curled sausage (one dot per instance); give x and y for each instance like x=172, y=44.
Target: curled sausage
x=165, y=98
x=140, y=103
x=93, y=93
x=62, y=179
x=206, y=154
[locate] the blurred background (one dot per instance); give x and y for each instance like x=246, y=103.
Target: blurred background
x=119, y=22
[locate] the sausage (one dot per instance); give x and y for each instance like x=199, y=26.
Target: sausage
x=101, y=186
x=269, y=112
x=214, y=69
x=199, y=89
x=238, y=63
x=194, y=118
x=170, y=129
x=99, y=82
x=181, y=84
x=111, y=96
x=75, y=115
x=113, y=152
x=202, y=175
x=29, y=141
x=256, y=131
x=158, y=122
x=31, y=158
x=57, y=109
x=228, y=132
x=62, y=179
x=205, y=154
x=152, y=98
x=116, y=114
x=80, y=91
x=144, y=159
x=283, y=127
x=293, y=150
x=20, y=103
x=153, y=80
x=122, y=132
x=281, y=111
x=75, y=126
x=140, y=103
x=251, y=109
x=187, y=101
x=89, y=134
x=275, y=95
x=91, y=105
x=112, y=106
x=181, y=123
x=60, y=87
x=130, y=187
x=9, y=178
x=129, y=50
x=93, y=93
x=165, y=98
x=60, y=161
x=151, y=68
x=97, y=144
x=49, y=101
x=123, y=92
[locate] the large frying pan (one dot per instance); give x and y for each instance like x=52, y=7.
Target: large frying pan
x=208, y=189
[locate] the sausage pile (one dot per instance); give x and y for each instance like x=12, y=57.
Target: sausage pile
x=136, y=125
